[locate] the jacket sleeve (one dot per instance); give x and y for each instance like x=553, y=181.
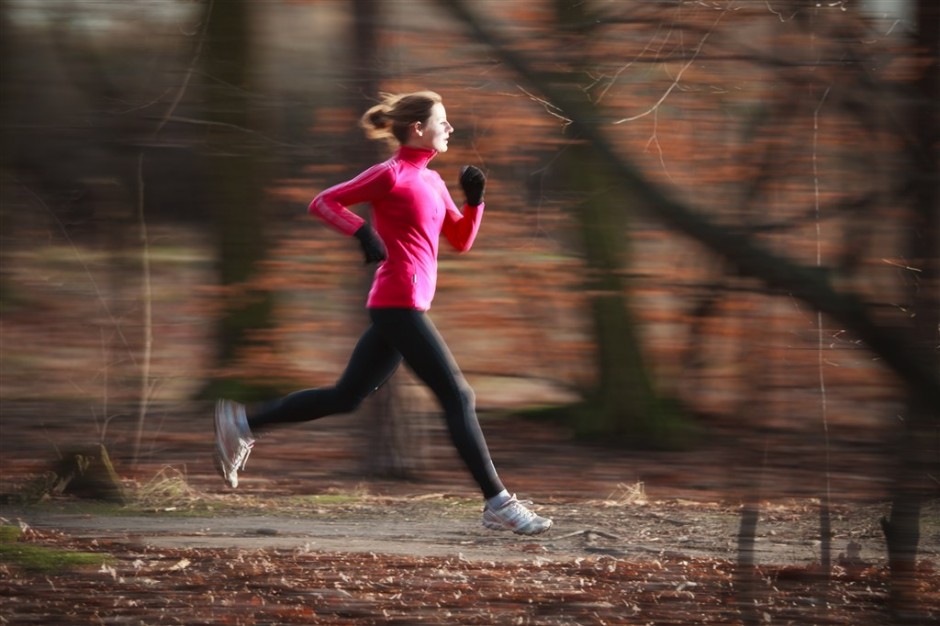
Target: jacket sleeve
x=460, y=229
x=331, y=205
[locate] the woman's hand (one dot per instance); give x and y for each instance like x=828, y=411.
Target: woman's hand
x=372, y=246
x=473, y=182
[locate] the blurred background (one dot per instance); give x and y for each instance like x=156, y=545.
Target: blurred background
x=711, y=228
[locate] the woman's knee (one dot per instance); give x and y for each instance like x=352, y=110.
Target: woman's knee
x=348, y=401
x=464, y=398
x=467, y=396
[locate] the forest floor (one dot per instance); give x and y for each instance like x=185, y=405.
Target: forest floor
x=308, y=538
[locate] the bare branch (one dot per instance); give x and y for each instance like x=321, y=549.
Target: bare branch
x=896, y=348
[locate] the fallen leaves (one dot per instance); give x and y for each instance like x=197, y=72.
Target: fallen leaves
x=231, y=586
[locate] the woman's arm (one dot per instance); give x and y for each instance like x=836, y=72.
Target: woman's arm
x=461, y=228
x=331, y=204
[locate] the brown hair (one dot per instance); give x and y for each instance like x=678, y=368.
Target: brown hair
x=391, y=118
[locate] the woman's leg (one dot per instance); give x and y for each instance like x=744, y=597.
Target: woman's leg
x=414, y=336
x=372, y=362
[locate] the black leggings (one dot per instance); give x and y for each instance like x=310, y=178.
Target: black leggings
x=393, y=336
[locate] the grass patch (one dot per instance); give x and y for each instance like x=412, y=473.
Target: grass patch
x=627, y=494
x=360, y=499
x=325, y=499
x=43, y=559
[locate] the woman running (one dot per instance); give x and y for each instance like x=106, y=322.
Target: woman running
x=411, y=209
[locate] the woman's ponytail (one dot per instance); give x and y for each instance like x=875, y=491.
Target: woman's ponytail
x=377, y=123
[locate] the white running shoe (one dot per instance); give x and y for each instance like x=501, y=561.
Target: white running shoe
x=233, y=440
x=514, y=516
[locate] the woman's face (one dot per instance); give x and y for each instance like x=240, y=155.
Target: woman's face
x=434, y=131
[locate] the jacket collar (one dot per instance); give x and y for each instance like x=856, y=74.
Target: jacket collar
x=419, y=157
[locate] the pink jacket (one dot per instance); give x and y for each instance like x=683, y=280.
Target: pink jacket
x=411, y=207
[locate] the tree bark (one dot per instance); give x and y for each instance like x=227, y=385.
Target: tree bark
x=392, y=430
x=235, y=190
x=624, y=405
x=922, y=421
x=745, y=581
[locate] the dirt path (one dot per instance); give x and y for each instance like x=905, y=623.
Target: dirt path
x=305, y=490
x=427, y=561
x=306, y=539
x=446, y=527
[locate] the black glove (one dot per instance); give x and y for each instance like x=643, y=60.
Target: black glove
x=372, y=246
x=473, y=182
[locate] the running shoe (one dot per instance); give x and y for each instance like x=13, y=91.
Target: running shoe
x=233, y=440
x=515, y=516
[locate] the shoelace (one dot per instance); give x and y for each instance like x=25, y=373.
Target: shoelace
x=512, y=500
x=518, y=511
x=244, y=449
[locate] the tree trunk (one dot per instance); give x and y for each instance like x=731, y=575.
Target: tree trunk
x=902, y=528
x=394, y=434
x=624, y=405
x=745, y=572
x=235, y=191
